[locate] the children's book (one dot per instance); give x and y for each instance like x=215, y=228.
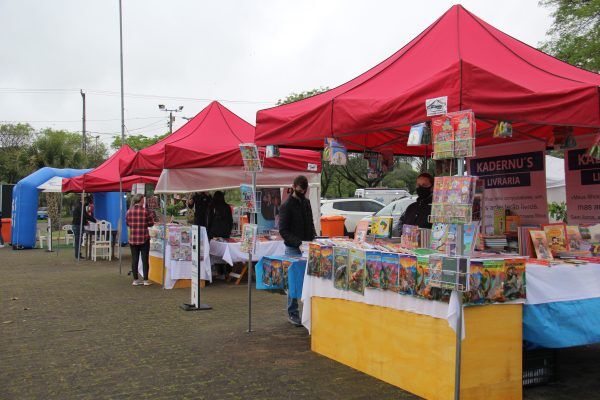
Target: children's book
x=411, y=236
x=360, y=233
x=575, y=239
x=556, y=234
x=186, y=235
x=340, y=267
x=250, y=157
x=174, y=235
x=512, y=223
x=470, y=236
x=422, y=284
x=266, y=276
x=335, y=152
x=493, y=280
x=272, y=151
x=443, y=137
x=540, y=245
x=381, y=227
x=499, y=221
x=415, y=136
x=407, y=274
x=356, y=273
x=439, y=236
x=514, y=284
x=175, y=253
x=314, y=259
x=186, y=252
x=475, y=294
x=277, y=274
x=248, y=197
x=390, y=270
x=326, y=269
x=373, y=269
x=463, y=123
x=249, y=238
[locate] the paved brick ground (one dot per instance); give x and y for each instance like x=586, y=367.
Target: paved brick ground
x=71, y=331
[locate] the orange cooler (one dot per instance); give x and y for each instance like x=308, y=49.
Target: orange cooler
x=6, y=226
x=332, y=225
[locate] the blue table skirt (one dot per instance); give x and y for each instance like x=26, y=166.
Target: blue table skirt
x=295, y=275
x=562, y=324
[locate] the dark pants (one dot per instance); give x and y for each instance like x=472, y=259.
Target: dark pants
x=138, y=250
x=77, y=240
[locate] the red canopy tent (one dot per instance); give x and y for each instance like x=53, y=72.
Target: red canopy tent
x=460, y=56
x=105, y=178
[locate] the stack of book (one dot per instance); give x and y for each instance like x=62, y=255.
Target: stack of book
x=495, y=243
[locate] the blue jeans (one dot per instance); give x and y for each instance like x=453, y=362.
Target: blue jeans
x=292, y=303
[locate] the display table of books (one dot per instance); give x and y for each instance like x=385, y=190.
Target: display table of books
x=178, y=262
x=563, y=305
x=385, y=313
x=229, y=250
x=281, y=272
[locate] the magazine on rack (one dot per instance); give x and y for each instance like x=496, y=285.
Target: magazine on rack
x=249, y=238
x=340, y=267
x=408, y=271
x=373, y=265
x=390, y=270
x=356, y=273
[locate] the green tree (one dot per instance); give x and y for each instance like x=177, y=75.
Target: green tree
x=292, y=97
x=58, y=149
x=575, y=32
x=14, y=143
x=138, y=142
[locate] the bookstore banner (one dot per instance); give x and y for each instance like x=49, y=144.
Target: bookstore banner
x=582, y=180
x=514, y=181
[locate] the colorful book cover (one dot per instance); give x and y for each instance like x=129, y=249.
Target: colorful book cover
x=443, y=137
x=186, y=236
x=476, y=295
x=266, y=275
x=556, y=234
x=340, y=267
x=186, y=252
x=174, y=234
x=464, y=133
x=335, y=152
x=250, y=157
x=326, y=269
x=277, y=274
x=286, y=264
x=381, y=227
x=373, y=269
x=422, y=284
x=514, y=284
x=360, y=233
x=493, y=280
x=356, y=273
x=390, y=271
x=467, y=186
x=439, y=237
x=454, y=190
x=407, y=274
x=249, y=238
x=411, y=236
x=512, y=223
x=438, y=189
x=314, y=259
x=499, y=221
x=415, y=136
x=175, y=253
x=470, y=236
x=576, y=242
x=248, y=197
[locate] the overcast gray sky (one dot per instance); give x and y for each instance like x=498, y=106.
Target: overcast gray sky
x=247, y=54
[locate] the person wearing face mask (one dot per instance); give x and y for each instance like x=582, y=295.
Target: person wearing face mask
x=295, y=226
x=418, y=212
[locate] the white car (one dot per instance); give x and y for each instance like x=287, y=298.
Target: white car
x=352, y=208
x=395, y=209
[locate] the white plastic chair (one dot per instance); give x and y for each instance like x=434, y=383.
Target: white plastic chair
x=102, y=241
x=41, y=238
x=69, y=235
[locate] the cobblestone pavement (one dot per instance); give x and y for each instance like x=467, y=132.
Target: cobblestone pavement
x=81, y=331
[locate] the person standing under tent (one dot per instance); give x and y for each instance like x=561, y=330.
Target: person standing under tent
x=200, y=202
x=295, y=226
x=139, y=219
x=220, y=219
x=418, y=212
x=77, y=223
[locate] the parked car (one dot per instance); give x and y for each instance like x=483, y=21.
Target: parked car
x=42, y=213
x=395, y=209
x=353, y=209
x=382, y=195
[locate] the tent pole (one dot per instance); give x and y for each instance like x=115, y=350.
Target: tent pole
x=120, y=224
x=459, y=252
x=252, y=221
x=81, y=227
x=59, y=224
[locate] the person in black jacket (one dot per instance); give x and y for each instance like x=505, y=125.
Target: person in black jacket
x=295, y=226
x=418, y=212
x=220, y=219
x=76, y=222
x=200, y=202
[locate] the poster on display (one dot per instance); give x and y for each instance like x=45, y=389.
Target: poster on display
x=268, y=217
x=582, y=180
x=513, y=181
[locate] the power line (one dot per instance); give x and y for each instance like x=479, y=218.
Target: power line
x=76, y=120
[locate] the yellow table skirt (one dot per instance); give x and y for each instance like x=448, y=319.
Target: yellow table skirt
x=156, y=271
x=417, y=352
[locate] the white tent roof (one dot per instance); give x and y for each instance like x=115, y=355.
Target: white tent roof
x=53, y=185
x=555, y=172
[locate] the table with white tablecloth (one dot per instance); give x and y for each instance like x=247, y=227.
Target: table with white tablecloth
x=231, y=253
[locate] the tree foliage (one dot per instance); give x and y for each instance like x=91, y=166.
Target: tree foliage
x=138, y=142
x=575, y=32
x=292, y=97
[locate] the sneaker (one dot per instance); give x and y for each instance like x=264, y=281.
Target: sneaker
x=136, y=282
x=147, y=283
x=294, y=321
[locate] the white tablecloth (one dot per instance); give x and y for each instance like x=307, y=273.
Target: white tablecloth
x=231, y=253
x=177, y=269
x=563, y=282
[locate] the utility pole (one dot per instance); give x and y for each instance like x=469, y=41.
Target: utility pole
x=170, y=111
x=83, y=144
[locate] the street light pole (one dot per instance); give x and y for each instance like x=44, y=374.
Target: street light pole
x=83, y=122
x=162, y=107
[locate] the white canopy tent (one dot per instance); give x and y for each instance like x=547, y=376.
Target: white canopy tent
x=555, y=179
x=52, y=185
x=188, y=180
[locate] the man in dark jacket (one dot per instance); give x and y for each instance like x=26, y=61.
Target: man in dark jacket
x=76, y=222
x=200, y=202
x=418, y=212
x=295, y=226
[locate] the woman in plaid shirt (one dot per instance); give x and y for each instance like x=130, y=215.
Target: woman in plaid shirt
x=138, y=219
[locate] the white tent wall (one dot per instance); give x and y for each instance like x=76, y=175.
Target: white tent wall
x=188, y=180
x=555, y=179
